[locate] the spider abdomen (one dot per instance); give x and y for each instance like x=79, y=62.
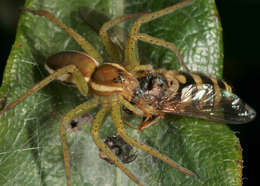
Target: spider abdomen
x=86, y=64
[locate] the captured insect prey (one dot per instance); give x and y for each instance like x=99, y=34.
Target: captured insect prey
x=122, y=85
x=121, y=149
x=192, y=94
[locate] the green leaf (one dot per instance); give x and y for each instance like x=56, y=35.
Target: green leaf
x=30, y=150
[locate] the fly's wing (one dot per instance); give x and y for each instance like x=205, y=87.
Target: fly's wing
x=206, y=102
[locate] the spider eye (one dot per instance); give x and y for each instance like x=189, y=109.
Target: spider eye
x=117, y=79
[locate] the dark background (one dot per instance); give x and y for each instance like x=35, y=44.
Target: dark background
x=241, y=29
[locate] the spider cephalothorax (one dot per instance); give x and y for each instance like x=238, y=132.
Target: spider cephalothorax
x=112, y=78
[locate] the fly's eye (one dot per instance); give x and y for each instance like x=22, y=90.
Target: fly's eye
x=150, y=85
x=161, y=83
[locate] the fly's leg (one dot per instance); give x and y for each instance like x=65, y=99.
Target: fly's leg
x=144, y=124
x=131, y=51
x=96, y=125
x=117, y=119
x=78, y=111
x=85, y=45
x=147, y=123
x=76, y=74
x=130, y=125
x=110, y=47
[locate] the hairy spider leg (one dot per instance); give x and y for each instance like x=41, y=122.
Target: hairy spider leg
x=131, y=50
x=76, y=74
x=153, y=40
x=119, y=125
x=78, y=111
x=130, y=106
x=110, y=47
x=96, y=125
x=82, y=42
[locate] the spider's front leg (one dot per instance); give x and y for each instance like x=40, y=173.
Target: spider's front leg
x=110, y=47
x=119, y=125
x=78, y=111
x=96, y=125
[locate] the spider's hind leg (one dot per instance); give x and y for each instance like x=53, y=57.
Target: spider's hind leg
x=70, y=69
x=84, y=44
x=119, y=125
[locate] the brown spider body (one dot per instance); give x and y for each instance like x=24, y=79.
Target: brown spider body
x=104, y=80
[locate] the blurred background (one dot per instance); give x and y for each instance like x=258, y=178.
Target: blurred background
x=241, y=35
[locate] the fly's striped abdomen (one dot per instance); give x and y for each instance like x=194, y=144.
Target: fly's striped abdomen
x=212, y=92
x=185, y=93
x=199, y=90
x=203, y=96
